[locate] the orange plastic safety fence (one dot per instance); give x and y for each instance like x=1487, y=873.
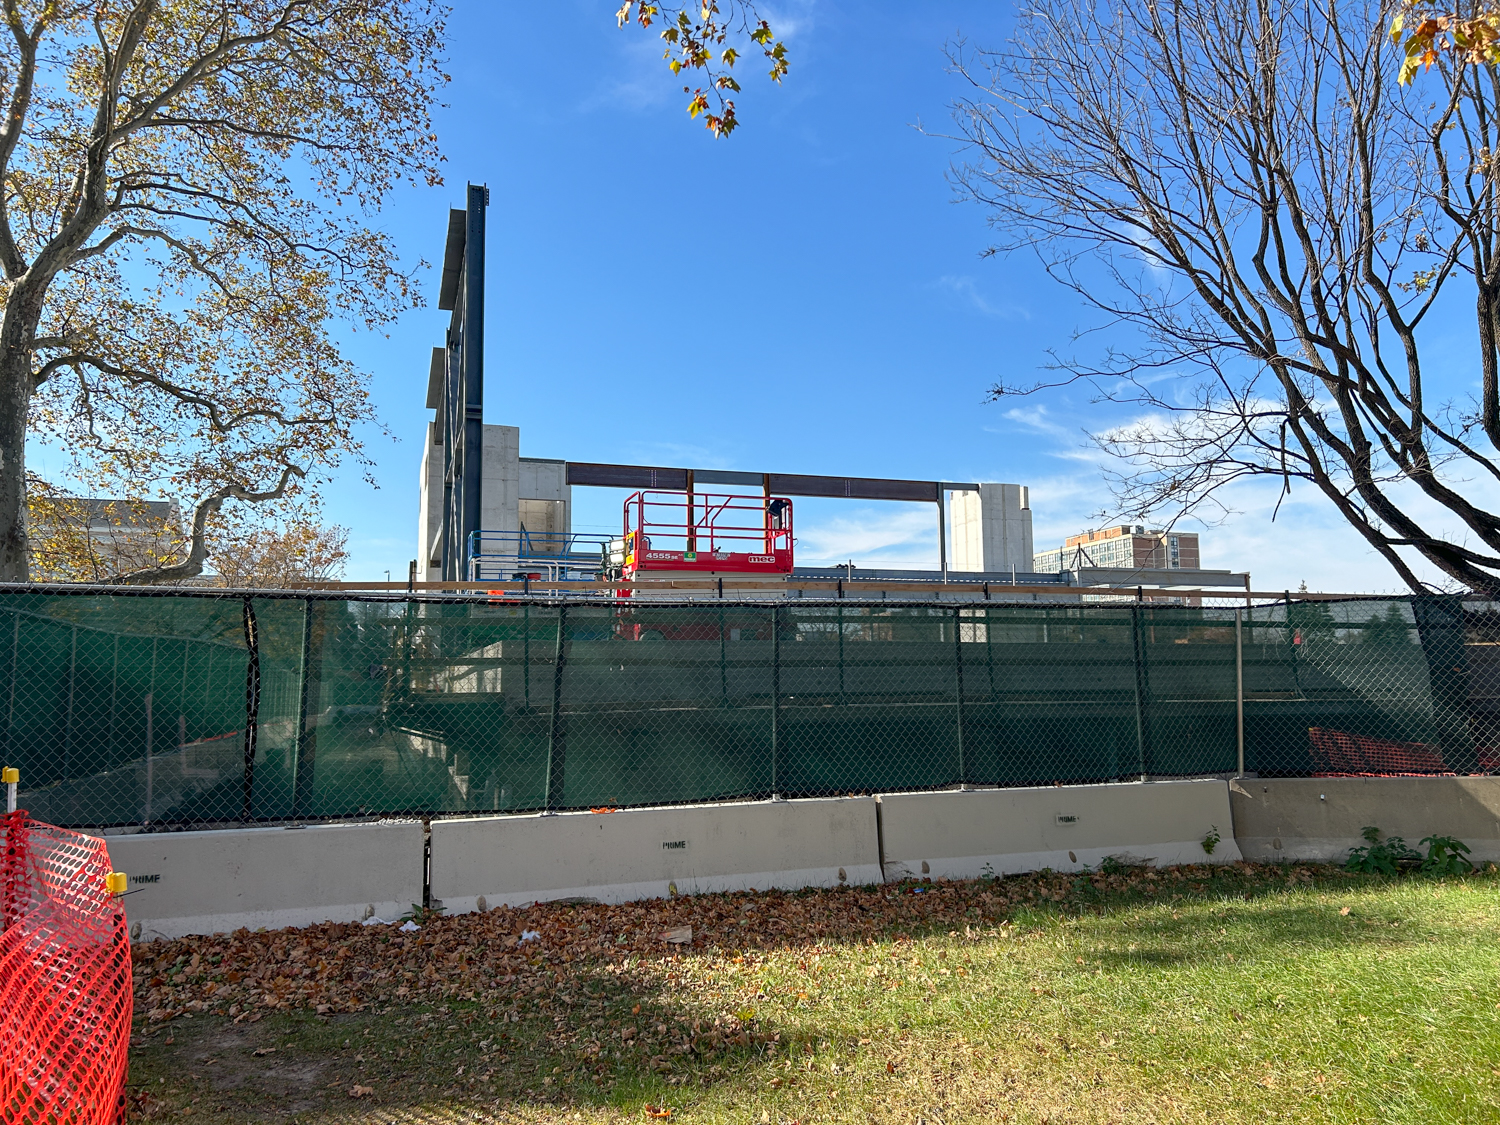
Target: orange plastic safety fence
x=64, y=979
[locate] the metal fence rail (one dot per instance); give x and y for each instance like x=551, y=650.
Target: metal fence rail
x=184, y=707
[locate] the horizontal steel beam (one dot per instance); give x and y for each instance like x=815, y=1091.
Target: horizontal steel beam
x=781, y=484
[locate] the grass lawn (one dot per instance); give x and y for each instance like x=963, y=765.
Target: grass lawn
x=1248, y=993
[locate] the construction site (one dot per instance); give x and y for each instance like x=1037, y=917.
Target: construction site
x=490, y=518
x=688, y=660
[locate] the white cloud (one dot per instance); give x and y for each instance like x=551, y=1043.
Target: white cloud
x=894, y=539
x=967, y=290
x=676, y=453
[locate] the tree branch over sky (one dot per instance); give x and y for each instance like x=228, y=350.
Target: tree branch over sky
x=1246, y=187
x=186, y=185
x=702, y=36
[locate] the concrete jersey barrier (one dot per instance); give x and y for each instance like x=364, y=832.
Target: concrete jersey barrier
x=1319, y=819
x=207, y=882
x=651, y=853
x=962, y=835
x=204, y=882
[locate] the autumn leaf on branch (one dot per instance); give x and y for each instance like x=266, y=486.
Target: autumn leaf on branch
x=701, y=41
x=1469, y=37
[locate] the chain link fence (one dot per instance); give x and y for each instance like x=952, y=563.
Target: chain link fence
x=199, y=708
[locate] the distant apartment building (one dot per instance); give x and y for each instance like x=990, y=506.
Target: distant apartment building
x=91, y=539
x=1125, y=547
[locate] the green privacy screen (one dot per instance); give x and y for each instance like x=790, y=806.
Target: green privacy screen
x=208, y=707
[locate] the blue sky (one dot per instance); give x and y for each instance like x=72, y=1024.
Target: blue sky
x=804, y=297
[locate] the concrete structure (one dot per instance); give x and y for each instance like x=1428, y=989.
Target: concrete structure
x=958, y=835
x=455, y=387
x=1320, y=818
x=652, y=853
x=1125, y=547
x=516, y=493
x=207, y=882
x=992, y=529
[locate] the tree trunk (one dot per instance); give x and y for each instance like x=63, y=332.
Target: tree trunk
x=16, y=333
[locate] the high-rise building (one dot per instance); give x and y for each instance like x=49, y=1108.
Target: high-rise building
x=1127, y=547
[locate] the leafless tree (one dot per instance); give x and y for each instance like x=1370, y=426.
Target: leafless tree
x=1287, y=231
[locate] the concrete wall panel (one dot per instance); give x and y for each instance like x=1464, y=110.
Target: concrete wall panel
x=642, y=853
x=1320, y=818
x=992, y=528
x=207, y=882
x=956, y=835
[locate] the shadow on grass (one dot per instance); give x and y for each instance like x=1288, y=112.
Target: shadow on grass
x=581, y=1028
x=423, y=1059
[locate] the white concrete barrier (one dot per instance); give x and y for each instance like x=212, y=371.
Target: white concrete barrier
x=957, y=835
x=1320, y=818
x=649, y=853
x=207, y=882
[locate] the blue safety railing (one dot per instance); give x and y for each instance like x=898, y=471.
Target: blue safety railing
x=559, y=556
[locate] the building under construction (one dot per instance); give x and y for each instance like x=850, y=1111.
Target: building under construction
x=489, y=514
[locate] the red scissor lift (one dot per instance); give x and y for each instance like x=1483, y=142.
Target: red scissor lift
x=700, y=535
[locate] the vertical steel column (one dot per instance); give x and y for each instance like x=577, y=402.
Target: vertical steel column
x=1142, y=691
x=556, y=737
x=942, y=535
x=473, y=373
x=775, y=703
x=958, y=667
x=1239, y=690
x=252, y=705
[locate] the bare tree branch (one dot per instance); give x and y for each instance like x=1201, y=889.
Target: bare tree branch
x=1276, y=219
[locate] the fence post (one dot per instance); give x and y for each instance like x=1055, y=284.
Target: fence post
x=15, y=669
x=252, y=705
x=304, y=744
x=989, y=647
x=958, y=667
x=723, y=656
x=776, y=703
x=557, y=747
x=187, y=651
x=1142, y=691
x=1239, y=690
x=841, y=653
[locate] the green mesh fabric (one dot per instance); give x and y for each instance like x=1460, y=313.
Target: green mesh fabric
x=212, y=707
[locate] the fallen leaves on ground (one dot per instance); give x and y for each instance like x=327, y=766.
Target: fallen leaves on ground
x=349, y=967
